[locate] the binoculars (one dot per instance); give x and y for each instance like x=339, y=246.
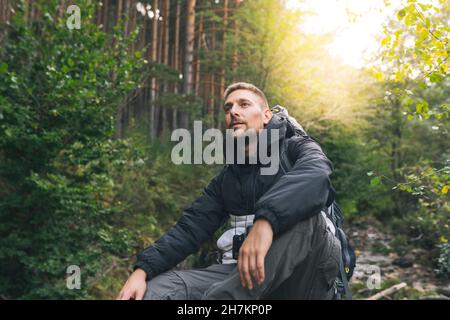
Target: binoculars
x=238, y=240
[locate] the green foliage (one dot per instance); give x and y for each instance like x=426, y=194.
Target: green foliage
x=414, y=72
x=415, y=47
x=152, y=192
x=443, y=262
x=350, y=181
x=59, y=90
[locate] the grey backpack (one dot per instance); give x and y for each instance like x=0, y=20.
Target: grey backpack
x=332, y=211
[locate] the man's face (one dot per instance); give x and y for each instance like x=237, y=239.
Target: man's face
x=244, y=110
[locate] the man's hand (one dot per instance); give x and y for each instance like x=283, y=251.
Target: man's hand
x=135, y=286
x=253, y=251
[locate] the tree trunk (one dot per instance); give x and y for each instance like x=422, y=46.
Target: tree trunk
x=235, y=36
x=176, y=56
x=4, y=17
x=105, y=15
x=222, y=70
x=165, y=88
x=159, y=59
x=212, y=84
x=197, y=60
x=133, y=22
x=126, y=12
x=59, y=12
x=119, y=6
x=99, y=10
x=154, y=52
x=188, y=56
x=140, y=110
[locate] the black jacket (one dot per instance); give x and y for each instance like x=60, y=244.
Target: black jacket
x=282, y=199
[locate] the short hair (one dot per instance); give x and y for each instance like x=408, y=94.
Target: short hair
x=246, y=86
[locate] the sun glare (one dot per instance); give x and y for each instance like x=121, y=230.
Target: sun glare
x=354, y=25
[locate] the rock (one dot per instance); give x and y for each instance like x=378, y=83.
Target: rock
x=443, y=291
x=373, y=259
x=418, y=286
x=405, y=261
x=372, y=236
x=437, y=297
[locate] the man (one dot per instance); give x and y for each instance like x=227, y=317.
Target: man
x=288, y=252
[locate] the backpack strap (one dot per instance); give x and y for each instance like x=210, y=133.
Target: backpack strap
x=347, y=292
x=286, y=164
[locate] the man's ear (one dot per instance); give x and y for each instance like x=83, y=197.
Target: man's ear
x=267, y=115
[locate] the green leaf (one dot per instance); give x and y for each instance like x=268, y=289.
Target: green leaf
x=3, y=67
x=375, y=181
x=436, y=77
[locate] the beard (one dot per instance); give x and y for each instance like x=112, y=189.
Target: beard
x=239, y=129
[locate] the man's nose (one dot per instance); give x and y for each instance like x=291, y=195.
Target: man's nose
x=234, y=109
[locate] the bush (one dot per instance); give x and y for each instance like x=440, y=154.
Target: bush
x=59, y=91
x=443, y=262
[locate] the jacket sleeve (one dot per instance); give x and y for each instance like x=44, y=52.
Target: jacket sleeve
x=300, y=193
x=196, y=225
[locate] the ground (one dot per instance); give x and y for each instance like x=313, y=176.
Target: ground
x=376, y=255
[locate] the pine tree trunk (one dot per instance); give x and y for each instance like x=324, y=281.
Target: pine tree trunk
x=159, y=58
x=235, y=35
x=212, y=91
x=59, y=12
x=140, y=110
x=4, y=17
x=126, y=12
x=176, y=59
x=133, y=21
x=99, y=10
x=197, y=60
x=154, y=52
x=105, y=15
x=222, y=70
x=165, y=88
x=188, y=56
x=119, y=6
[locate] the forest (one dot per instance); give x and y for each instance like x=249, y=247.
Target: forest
x=90, y=92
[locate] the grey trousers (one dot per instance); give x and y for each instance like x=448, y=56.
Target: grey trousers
x=302, y=263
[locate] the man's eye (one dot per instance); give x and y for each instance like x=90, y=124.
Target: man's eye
x=245, y=104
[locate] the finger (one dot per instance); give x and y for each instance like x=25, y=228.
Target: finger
x=126, y=295
x=119, y=297
x=260, y=268
x=140, y=294
x=245, y=268
x=241, y=272
x=252, y=268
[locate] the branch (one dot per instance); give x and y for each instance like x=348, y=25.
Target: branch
x=388, y=291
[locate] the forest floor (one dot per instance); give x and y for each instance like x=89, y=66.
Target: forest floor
x=380, y=267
